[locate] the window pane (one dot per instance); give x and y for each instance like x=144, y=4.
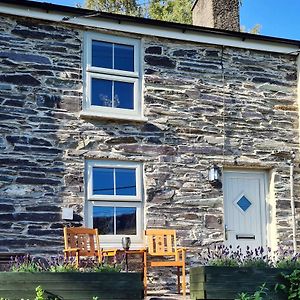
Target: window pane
x=126, y=220
x=102, y=54
x=125, y=182
x=101, y=92
x=124, y=57
x=103, y=181
x=123, y=95
x=103, y=219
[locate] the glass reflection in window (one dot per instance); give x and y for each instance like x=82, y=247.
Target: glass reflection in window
x=102, y=54
x=126, y=220
x=114, y=181
x=102, y=92
x=124, y=57
x=103, y=181
x=103, y=219
x=125, y=182
x=123, y=95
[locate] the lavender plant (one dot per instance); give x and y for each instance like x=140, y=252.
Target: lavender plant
x=221, y=255
x=58, y=264
x=25, y=264
x=287, y=259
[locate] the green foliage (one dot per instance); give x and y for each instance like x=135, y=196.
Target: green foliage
x=288, y=263
x=166, y=10
x=223, y=262
x=171, y=10
x=26, y=266
x=67, y=267
x=292, y=286
x=39, y=293
x=124, y=7
x=58, y=264
x=256, y=29
x=105, y=268
x=258, y=295
x=256, y=262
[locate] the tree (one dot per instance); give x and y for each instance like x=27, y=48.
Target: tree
x=254, y=30
x=171, y=10
x=124, y=7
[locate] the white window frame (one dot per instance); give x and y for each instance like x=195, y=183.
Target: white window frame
x=116, y=201
x=110, y=110
x=112, y=240
x=114, y=164
x=114, y=75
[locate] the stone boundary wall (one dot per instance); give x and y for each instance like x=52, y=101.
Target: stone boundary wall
x=205, y=104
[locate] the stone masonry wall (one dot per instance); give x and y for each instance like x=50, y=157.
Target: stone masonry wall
x=205, y=104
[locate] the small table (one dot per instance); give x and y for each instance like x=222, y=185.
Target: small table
x=143, y=253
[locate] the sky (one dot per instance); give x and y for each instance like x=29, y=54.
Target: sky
x=278, y=18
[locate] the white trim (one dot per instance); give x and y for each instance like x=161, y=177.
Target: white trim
x=134, y=77
x=90, y=36
x=116, y=201
x=114, y=164
x=116, y=239
x=112, y=110
x=95, y=114
x=151, y=30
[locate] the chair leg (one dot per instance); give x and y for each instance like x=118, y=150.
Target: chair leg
x=183, y=281
x=77, y=259
x=178, y=280
x=145, y=272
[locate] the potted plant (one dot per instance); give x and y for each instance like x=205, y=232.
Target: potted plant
x=62, y=280
x=226, y=273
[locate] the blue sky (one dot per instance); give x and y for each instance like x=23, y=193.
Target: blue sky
x=279, y=18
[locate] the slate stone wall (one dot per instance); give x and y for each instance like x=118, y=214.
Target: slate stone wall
x=205, y=104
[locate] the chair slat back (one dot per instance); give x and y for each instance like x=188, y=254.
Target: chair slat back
x=161, y=242
x=85, y=239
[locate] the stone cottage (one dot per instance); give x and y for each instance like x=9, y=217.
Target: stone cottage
x=114, y=121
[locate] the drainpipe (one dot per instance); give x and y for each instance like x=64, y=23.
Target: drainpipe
x=293, y=200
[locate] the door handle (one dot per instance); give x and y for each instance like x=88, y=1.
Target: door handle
x=226, y=232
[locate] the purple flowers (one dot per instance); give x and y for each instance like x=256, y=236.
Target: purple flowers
x=221, y=255
x=57, y=264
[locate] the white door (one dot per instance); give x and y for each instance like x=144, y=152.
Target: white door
x=245, y=208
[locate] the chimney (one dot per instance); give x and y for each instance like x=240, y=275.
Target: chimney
x=219, y=14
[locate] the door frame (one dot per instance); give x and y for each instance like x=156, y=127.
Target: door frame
x=266, y=237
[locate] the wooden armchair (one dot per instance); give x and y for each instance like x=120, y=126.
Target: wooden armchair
x=84, y=242
x=162, y=245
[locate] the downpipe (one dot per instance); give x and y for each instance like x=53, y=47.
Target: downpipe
x=293, y=200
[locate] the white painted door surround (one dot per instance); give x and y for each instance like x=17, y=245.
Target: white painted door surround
x=245, y=208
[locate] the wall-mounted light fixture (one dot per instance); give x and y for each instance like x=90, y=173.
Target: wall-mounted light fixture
x=214, y=176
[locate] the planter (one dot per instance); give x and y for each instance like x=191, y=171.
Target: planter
x=72, y=286
x=228, y=282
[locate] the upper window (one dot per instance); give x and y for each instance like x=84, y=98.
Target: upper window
x=112, y=76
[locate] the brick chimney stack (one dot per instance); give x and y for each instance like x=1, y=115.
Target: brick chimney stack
x=219, y=14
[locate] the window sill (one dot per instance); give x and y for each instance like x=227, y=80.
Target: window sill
x=98, y=115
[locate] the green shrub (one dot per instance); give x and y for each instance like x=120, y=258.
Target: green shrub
x=292, y=286
x=258, y=295
x=39, y=295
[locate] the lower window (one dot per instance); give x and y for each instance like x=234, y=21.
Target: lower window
x=115, y=220
x=114, y=201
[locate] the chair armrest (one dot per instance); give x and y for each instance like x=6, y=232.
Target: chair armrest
x=107, y=251
x=71, y=249
x=181, y=252
x=181, y=249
